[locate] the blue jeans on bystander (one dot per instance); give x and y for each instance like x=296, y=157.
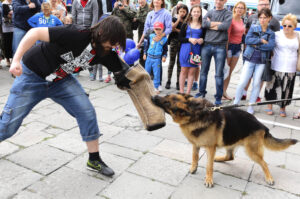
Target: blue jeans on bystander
x=219, y=53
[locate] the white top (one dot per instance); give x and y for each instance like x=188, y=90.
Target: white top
x=285, y=53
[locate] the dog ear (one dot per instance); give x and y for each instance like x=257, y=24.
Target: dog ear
x=186, y=96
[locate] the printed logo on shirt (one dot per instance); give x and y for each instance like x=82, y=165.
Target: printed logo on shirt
x=73, y=65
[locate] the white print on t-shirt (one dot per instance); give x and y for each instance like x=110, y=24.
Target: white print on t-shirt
x=81, y=61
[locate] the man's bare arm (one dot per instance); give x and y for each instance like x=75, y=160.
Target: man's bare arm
x=26, y=43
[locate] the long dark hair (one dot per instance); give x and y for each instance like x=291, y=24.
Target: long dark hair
x=109, y=29
x=189, y=18
x=183, y=6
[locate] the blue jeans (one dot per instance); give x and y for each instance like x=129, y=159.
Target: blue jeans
x=219, y=53
x=249, y=69
x=29, y=89
x=17, y=37
x=155, y=65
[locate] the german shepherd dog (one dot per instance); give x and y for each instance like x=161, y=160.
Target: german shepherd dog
x=227, y=128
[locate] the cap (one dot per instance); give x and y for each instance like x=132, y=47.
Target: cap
x=158, y=25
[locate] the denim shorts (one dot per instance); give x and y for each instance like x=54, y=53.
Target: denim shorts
x=234, y=50
x=29, y=89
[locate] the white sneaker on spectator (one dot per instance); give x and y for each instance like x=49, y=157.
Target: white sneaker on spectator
x=160, y=88
x=250, y=110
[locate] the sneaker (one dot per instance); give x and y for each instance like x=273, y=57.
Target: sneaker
x=101, y=80
x=107, y=80
x=199, y=95
x=168, y=85
x=100, y=166
x=244, y=97
x=218, y=103
x=160, y=88
x=177, y=86
x=258, y=99
x=195, y=86
x=250, y=110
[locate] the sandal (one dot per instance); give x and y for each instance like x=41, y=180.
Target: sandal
x=282, y=113
x=269, y=111
x=226, y=97
x=296, y=116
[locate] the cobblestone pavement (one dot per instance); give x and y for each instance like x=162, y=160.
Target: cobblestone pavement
x=46, y=158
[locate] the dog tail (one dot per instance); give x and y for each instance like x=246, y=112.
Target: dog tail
x=276, y=144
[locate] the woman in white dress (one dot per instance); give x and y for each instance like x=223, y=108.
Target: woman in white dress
x=284, y=64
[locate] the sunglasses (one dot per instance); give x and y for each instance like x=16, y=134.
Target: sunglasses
x=157, y=29
x=289, y=26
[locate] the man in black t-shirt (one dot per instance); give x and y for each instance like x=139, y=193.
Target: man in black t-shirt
x=43, y=71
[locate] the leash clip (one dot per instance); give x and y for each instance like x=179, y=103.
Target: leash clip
x=215, y=108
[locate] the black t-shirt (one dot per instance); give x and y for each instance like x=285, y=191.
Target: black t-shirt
x=174, y=35
x=68, y=51
x=66, y=44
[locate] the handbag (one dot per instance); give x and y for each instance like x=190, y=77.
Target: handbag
x=194, y=59
x=268, y=72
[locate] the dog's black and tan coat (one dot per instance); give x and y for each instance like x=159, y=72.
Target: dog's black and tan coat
x=220, y=128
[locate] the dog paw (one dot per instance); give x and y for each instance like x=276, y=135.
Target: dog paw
x=209, y=183
x=193, y=170
x=270, y=181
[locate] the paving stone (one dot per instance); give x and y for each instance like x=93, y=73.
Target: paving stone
x=53, y=130
x=175, y=150
x=137, y=141
x=108, y=116
x=67, y=183
x=120, y=151
x=117, y=163
x=108, y=131
x=7, y=148
x=29, y=137
x=60, y=120
x=110, y=104
x=191, y=188
x=254, y=191
x=268, y=156
x=295, y=149
x=41, y=158
x=107, y=94
x=293, y=162
x=129, y=186
x=14, y=178
x=45, y=111
x=239, y=167
x=160, y=168
x=221, y=179
x=280, y=132
x=171, y=132
x=130, y=123
x=29, y=194
x=31, y=117
x=284, y=179
x=128, y=110
x=69, y=141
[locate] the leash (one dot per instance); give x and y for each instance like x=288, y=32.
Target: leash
x=250, y=104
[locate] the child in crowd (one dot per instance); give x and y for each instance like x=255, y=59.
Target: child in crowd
x=155, y=52
x=58, y=14
x=44, y=18
x=68, y=20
